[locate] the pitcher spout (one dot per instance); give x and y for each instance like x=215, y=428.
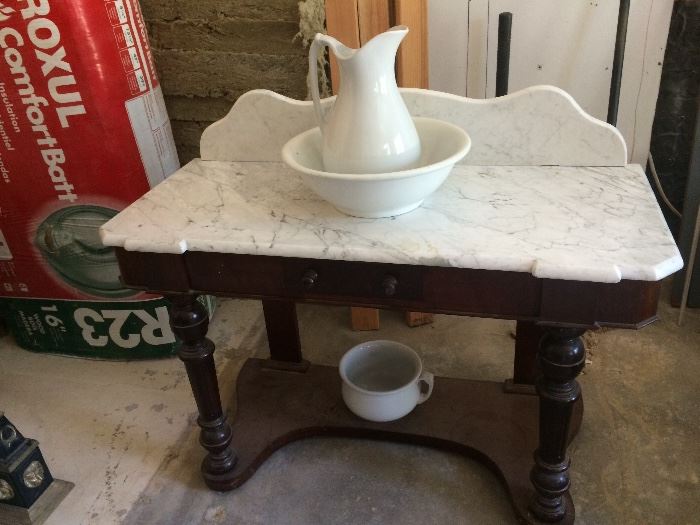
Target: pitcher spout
x=387, y=42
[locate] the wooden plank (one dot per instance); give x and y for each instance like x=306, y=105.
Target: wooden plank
x=412, y=66
x=364, y=318
x=414, y=319
x=412, y=59
x=342, y=23
x=373, y=17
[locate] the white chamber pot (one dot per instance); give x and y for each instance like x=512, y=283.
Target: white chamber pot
x=382, y=380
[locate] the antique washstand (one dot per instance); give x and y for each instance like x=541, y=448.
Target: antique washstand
x=543, y=223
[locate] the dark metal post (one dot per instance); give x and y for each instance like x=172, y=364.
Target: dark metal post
x=618, y=59
x=505, y=24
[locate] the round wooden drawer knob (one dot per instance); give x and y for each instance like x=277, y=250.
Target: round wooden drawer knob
x=308, y=280
x=389, y=285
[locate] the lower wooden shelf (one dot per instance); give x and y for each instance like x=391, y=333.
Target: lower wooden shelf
x=476, y=418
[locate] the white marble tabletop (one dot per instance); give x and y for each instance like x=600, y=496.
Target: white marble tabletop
x=598, y=224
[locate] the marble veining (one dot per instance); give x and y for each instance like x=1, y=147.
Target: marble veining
x=539, y=125
x=597, y=224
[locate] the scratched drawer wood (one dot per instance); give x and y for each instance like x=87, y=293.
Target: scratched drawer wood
x=482, y=292
x=246, y=275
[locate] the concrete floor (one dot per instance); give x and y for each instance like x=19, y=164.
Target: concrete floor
x=125, y=433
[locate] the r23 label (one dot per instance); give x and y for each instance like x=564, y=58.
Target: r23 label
x=155, y=330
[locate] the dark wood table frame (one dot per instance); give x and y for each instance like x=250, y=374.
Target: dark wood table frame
x=285, y=398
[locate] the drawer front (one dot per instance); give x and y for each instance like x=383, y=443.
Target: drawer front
x=304, y=279
x=629, y=304
x=314, y=278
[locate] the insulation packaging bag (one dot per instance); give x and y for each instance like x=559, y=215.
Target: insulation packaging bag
x=83, y=133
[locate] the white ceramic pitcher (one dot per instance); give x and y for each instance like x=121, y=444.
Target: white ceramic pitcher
x=368, y=129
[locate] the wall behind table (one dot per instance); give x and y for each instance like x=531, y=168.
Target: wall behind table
x=209, y=52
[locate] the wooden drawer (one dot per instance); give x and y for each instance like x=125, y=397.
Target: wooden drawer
x=303, y=279
x=317, y=279
x=514, y=295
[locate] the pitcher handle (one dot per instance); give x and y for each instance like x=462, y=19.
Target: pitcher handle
x=318, y=41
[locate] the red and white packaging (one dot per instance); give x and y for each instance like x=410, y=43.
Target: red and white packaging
x=82, y=122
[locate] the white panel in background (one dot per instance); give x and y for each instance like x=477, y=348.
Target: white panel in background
x=567, y=44
x=477, y=49
x=573, y=41
x=647, y=34
x=448, y=35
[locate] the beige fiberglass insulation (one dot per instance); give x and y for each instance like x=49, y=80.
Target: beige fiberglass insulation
x=312, y=19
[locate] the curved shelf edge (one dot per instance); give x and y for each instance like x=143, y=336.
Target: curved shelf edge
x=478, y=419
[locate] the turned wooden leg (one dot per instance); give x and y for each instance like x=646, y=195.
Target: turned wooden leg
x=561, y=358
x=190, y=322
